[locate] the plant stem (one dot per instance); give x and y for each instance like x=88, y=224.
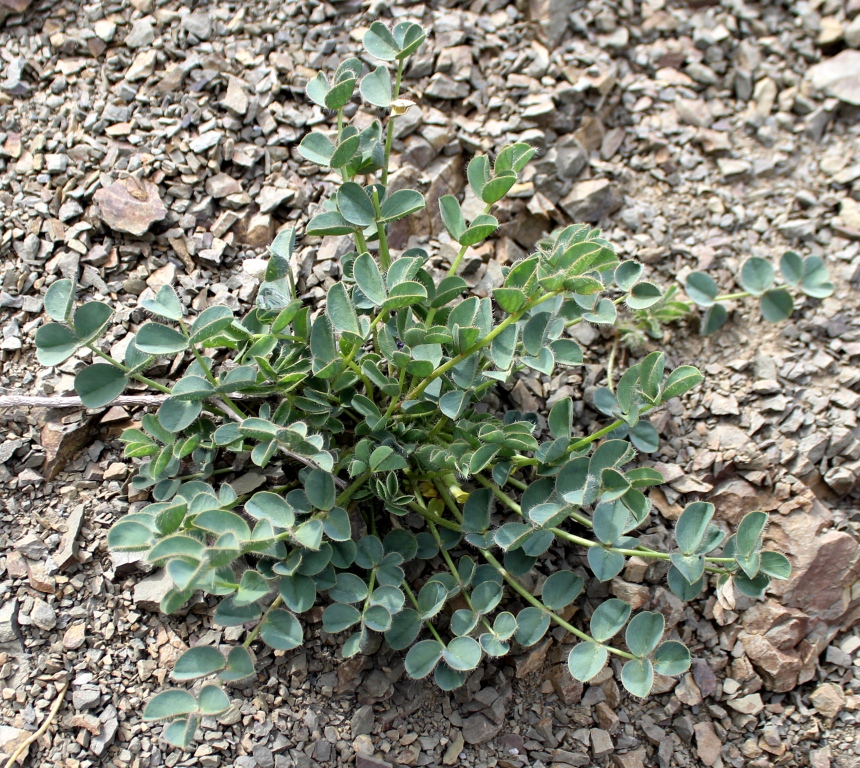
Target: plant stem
x=389, y=137
x=356, y=484
x=730, y=296
x=455, y=265
x=530, y=598
x=207, y=372
x=611, y=364
x=139, y=377
x=479, y=344
x=384, y=255
x=256, y=630
x=360, y=242
x=408, y=590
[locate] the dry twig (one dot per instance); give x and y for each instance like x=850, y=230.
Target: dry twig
x=18, y=753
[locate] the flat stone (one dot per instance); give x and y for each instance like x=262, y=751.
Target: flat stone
x=270, y=198
x=141, y=34
x=591, y=201
x=130, y=205
x=747, y=705
x=730, y=168
x=43, y=615
x=708, y=744
x=31, y=546
x=443, y=87
x=198, y=24
x=838, y=76
x=236, y=97
x=74, y=637
x=601, y=742
x=85, y=698
x=149, y=592
x=478, y=728
x=722, y=405
x=9, y=621
x=142, y=66
x=11, y=739
x=222, y=185
x=828, y=699
x=362, y=721
x=205, y=141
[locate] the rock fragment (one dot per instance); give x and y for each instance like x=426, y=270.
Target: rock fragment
x=130, y=206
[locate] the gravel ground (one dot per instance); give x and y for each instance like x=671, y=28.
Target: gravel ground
x=146, y=144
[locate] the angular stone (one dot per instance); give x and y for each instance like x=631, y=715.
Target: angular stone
x=838, y=76
x=140, y=35
x=12, y=738
x=42, y=615
x=601, y=742
x=149, y=592
x=828, y=700
x=362, y=721
x=270, y=198
x=255, y=230
x=236, y=97
x=708, y=744
x=198, y=24
x=74, y=637
x=130, y=205
x=478, y=728
x=9, y=621
x=142, y=66
x=747, y=705
x=590, y=201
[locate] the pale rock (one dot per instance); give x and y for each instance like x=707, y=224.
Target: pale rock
x=130, y=205
x=838, y=76
x=141, y=35
x=198, y=24
x=747, y=705
x=708, y=744
x=43, y=615
x=236, y=97
x=270, y=198
x=149, y=592
x=142, y=66
x=828, y=700
x=74, y=637
x=590, y=201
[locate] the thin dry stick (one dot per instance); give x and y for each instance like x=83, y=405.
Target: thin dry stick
x=38, y=734
x=36, y=401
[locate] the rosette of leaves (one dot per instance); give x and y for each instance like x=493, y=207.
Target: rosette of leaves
x=405, y=508
x=808, y=275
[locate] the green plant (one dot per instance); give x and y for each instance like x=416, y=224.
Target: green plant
x=369, y=411
x=757, y=279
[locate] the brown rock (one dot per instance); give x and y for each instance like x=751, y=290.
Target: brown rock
x=590, y=201
x=68, y=548
x=74, y=637
x=778, y=668
x=255, y=230
x=708, y=744
x=633, y=759
x=478, y=728
x=64, y=441
x=828, y=699
x=130, y=206
x=533, y=659
x=568, y=689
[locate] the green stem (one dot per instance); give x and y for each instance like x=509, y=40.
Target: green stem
x=407, y=589
x=530, y=598
x=117, y=364
x=389, y=137
x=730, y=296
x=479, y=344
x=384, y=255
x=611, y=364
x=356, y=484
x=360, y=242
x=456, y=263
x=256, y=630
x=207, y=372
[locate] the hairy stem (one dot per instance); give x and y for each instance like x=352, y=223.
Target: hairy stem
x=389, y=136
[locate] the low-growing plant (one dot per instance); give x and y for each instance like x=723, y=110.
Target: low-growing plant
x=370, y=414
